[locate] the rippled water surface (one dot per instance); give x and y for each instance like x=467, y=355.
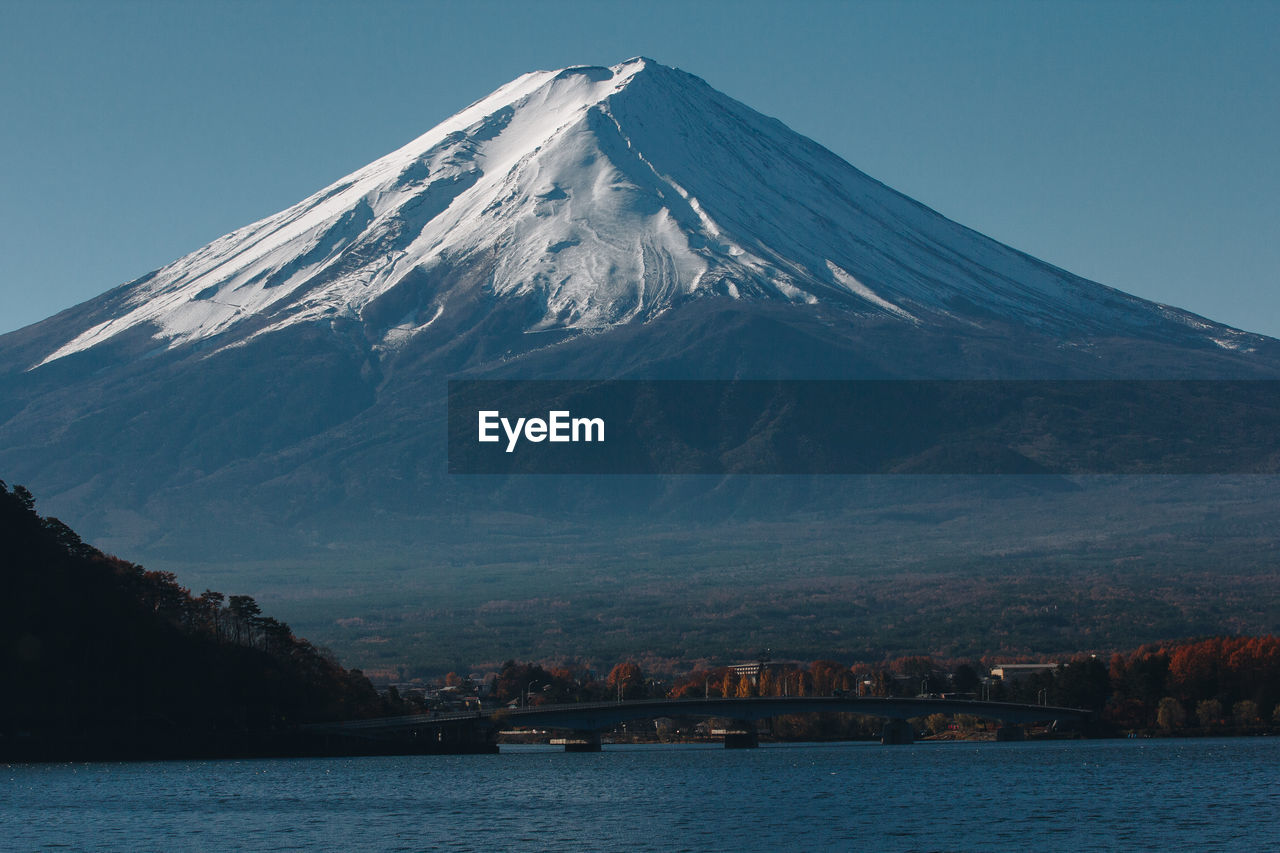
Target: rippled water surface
x=1082, y=795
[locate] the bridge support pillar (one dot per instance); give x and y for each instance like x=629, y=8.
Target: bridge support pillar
x=897, y=733
x=743, y=735
x=579, y=742
x=1011, y=732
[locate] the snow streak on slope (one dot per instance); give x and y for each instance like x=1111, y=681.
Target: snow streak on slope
x=608, y=195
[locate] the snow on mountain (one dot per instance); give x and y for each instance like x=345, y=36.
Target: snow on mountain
x=607, y=196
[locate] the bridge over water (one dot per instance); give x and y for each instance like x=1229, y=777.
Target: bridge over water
x=476, y=731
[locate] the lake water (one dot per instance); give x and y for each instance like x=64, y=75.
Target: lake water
x=1220, y=794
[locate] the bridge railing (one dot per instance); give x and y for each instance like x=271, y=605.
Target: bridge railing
x=595, y=714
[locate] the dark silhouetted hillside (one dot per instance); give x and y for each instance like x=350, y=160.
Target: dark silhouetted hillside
x=102, y=658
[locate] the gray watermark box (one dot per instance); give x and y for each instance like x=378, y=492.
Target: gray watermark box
x=864, y=427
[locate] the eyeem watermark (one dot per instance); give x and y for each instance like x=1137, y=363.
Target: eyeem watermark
x=558, y=427
x=864, y=427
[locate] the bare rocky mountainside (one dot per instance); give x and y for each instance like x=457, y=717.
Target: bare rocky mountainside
x=267, y=413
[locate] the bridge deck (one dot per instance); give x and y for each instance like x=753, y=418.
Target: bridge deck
x=602, y=716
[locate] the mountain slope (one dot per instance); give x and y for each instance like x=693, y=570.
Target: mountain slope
x=283, y=387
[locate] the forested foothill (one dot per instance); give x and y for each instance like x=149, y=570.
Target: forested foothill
x=100, y=658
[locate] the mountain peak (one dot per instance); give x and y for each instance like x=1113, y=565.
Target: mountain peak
x=596, y=197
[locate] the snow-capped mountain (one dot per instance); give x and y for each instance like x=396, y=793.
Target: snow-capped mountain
x=287, y=380
x=606, y=196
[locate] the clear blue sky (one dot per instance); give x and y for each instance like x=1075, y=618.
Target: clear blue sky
x=1135, y=143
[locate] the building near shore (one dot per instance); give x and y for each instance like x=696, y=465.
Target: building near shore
x=1014, y=671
